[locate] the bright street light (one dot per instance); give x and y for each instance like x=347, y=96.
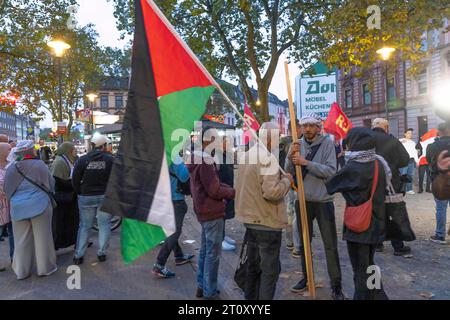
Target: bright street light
x=91, y=97
x=385, y=52
x=59, y=47
x=440, y=98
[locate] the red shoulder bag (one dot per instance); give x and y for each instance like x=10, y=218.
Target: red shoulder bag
x=358, y=218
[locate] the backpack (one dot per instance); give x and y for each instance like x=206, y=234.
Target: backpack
x=441, y=187
x=183, y=188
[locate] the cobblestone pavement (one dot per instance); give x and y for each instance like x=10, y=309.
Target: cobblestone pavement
x=425, y=275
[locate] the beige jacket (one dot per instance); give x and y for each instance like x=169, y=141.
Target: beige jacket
x=260, y=190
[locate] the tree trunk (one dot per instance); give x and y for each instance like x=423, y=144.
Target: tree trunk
x=263, y=98
x=69, y=126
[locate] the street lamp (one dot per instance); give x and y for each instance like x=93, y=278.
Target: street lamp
x=385, y=54
x=91, y=97
x=59, y=47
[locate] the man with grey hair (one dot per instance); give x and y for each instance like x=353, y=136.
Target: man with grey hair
x=395, y=154
x=317, y=157
x=260, y=192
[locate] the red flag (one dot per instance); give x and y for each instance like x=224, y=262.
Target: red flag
x=337, y=122
x=250, y=122
x=427, y=139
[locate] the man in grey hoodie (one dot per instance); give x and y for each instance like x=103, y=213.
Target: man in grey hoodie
x=316, y=156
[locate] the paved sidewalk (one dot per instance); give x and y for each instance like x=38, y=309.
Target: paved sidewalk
x=425, y=275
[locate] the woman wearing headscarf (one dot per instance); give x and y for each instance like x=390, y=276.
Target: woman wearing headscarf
x=5, y=219
x=28, y=183
x=355, y=182
x=65, y=215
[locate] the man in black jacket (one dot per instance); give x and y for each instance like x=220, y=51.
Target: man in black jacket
x=441, y=144
x=392, y=150
x=90, y=178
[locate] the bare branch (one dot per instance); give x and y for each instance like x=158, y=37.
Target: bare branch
x=251, y=46
x=229, y=50
x=266, y=8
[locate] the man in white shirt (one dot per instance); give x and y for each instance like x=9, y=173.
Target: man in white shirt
x=410, y=147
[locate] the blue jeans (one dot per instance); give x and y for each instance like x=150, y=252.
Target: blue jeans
x=409, y=171
x=89, y=207
x=209, y=257
x=441, y=216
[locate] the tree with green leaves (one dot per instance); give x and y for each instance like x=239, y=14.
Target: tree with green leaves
x=116, y=62
x=352, y=37
x=30, y=68
x=241, y=38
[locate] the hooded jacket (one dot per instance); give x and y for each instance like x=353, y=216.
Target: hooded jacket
x=208, y=193
x=322, y=167
x=355, y=181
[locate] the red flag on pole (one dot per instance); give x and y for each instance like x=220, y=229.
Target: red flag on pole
x=250, y=122
x=337, y=122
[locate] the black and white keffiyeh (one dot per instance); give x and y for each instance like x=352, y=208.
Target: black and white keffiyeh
x=369, y=156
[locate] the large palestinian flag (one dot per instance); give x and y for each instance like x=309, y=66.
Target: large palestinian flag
x=169, y=89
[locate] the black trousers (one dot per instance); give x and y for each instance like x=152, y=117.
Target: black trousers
x=263, y=264
x=424, y=171
x=361, y=257
x=324, y=213
x=171, y=243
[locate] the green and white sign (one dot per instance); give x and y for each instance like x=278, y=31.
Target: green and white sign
x=317, y=94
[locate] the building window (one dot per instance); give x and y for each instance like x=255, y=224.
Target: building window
x=119, y=101
x=348, y=98
x=367, y=95
x=422, y=83
x=392, y=95
x=422, y=122
x=104, y=101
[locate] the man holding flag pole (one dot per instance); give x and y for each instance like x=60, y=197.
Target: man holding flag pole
x=316, y=156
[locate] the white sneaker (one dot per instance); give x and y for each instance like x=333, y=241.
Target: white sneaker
x=49, y=273
x=227, y=247
x=410, y=192
x=229, y=240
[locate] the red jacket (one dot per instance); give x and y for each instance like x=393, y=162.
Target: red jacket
x=208, y=193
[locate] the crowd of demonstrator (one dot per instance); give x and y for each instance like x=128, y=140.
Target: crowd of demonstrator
x=46, y=206
x=368, y=167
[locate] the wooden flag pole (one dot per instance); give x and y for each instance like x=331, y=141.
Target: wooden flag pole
x=205, y=71
x=301, y=194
